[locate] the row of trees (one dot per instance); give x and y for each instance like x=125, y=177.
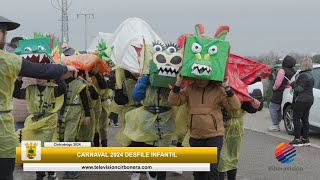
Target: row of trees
x=272, y=58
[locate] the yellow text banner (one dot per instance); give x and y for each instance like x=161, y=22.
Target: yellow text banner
x=124, y=155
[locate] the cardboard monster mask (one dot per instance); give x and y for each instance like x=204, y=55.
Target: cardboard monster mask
x=163, y=63
x=206, y=58
x=42, y=48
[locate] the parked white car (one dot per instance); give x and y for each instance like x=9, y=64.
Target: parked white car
x=256, y=86
x=286, y=106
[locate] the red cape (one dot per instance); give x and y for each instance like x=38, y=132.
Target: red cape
x=241, y=72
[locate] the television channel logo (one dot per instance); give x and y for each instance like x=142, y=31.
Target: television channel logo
x=285, y=153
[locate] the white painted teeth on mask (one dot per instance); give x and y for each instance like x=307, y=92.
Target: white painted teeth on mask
x=41, y=57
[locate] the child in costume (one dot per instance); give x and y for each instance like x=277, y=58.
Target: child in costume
x=43, y=99
x=11, y=67
x=113, y=116
x=241, y=72
x=152, y=125
x=101, y=109
x=87, y=129
x=75, y=111
x=76, y=108
x=43, y=102
x=230, y=152
x=123, y=98
x=85, y=62
x=205, y=60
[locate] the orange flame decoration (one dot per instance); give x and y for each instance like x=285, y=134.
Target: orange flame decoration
x=56, y=55
x=86, y=62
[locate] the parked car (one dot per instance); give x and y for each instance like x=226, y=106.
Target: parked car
x=286, y=106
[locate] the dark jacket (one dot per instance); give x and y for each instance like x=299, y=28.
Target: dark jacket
x=303, y=87
x=287, y=65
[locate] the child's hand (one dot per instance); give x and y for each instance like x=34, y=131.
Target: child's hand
x=256, y=103
x=88, y=79
x=86, y=121
x=225, y=83
x=179, y=80
x=73, y=71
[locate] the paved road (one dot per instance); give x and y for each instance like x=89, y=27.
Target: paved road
x=261, y=121
x=256, y=157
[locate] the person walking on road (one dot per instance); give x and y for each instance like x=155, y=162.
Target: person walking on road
x=283, y=75
x=303, y=100
x=12, y=66
x=205, y=99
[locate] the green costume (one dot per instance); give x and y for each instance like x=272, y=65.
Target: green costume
x=10, y=66
x=102, y=111
x=97, y=113
x=152, y=128
x=121, y=138
x=230, y=152
x=106, y=98
x=73, y=110
x=43, y=106
x=153, y=123
x=86, y=132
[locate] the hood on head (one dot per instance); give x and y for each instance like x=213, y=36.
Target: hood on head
x=289, y=62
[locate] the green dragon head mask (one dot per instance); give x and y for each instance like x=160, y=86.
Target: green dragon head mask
x=43, y=48
x=206, y=58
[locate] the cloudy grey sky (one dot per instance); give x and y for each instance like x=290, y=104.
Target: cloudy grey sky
x=256, y=26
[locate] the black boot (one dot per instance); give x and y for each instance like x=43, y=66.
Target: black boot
x=71, y=175
x=96, y=139
x=231, y=175
x=40, y=175
x=104, y=143
x=179, y=144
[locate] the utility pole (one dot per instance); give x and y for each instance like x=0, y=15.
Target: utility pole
x=85, y=26
x=63, y=7
x=65, y=21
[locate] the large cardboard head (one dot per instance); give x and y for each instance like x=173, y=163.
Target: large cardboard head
x=43, y=48
x=162, y=62
x=206, y=58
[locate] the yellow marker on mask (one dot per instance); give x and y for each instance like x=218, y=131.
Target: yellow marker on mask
x=206, y=57
x=198, y=56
